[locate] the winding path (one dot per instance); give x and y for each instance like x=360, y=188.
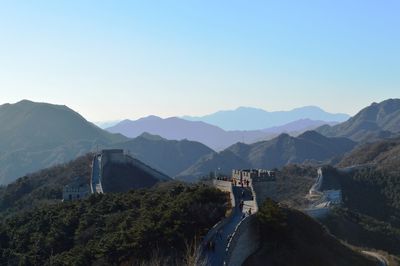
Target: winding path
x=217, y=256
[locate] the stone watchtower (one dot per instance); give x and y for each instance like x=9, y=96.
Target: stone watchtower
x=76, y=190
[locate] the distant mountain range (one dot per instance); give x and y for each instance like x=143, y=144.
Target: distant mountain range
x=282, y=150
x=248, y=118
x=174, y=128
x=379, y=120
x=34, y=136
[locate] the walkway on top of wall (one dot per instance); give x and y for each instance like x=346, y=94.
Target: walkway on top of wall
x=221, y=235
x=95, y=182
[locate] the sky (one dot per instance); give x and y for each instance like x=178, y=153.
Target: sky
x=112, y=60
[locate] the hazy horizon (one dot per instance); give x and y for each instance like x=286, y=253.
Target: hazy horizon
x=181, y=116
x=116, y=60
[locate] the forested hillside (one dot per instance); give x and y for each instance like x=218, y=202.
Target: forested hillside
x=136, y=227
x=383, y=154
x=370, y=215
x=43, y=187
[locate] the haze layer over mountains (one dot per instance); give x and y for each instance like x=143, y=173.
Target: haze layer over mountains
x=38, y=135
x=248, y=118
x=247, y=125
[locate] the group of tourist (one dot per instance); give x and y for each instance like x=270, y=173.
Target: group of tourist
x=223, y=178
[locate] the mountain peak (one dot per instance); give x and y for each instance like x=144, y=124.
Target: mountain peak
x=153, y=117
x=30, y=103
x=389, y=103
x=390, y=100
x=310, y=134
x=150, y=118
x=149, y=136
x=283, y=136
x=309, y=107
x=25, y=101
x=248, y=108
x=45, y=107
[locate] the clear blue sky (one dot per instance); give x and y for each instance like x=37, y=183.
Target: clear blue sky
x=126, y=59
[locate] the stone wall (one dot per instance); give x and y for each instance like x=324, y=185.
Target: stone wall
x=146, y=168
x=118, y=157
x=245, y=242
x=114, y=156
x=225, y=186
x=318, y=213
x=246, y=238
x=74, y=192
x=255, y=196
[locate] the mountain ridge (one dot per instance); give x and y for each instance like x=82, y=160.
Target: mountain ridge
x=275, y=153
x=378, y=120
x=175, y=128
x=240, y=117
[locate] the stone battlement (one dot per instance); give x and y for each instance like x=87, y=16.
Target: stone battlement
x=253, y=174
